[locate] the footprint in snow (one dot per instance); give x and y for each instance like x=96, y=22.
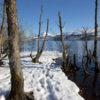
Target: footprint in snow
x=52, y=95
x=48, y=74
x=42, y=82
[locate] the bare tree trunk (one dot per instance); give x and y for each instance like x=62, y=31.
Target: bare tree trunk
x=96, y=34
x=39, y=53
x=85, y=58
x=43, y=45
x=17, y=81
x=38, y=44
x=86, y=42
x=63, y=45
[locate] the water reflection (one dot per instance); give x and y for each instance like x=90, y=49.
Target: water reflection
x=74, y=47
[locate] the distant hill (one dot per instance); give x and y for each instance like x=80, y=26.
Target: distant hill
x=78, y=35
x=68, y=36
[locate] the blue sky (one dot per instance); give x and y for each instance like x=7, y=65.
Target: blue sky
x=75, y=13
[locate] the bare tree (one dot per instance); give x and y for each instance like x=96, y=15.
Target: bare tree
x=64, y=52
x=17, y=81
x=85, y=33
x=39, y=53
x=95, y=37
x=40, y=24
x=40, y=50
x=86, y=56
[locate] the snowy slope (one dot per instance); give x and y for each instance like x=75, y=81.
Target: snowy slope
x=46, y=80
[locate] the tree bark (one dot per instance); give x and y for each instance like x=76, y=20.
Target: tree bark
x=17, y=81
x=64, y=52
x=40, y=24
x=95, y=37
x=39, y=53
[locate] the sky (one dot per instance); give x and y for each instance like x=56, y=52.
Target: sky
x=75, y=14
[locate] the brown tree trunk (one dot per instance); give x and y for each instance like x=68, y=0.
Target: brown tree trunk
x=39, y=53
x=64, y=52
x=40, y=23
x=95, y=37
x=85, y=58
x=47, y=28
x=17, y=81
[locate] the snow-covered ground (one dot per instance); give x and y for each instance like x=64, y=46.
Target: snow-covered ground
x=46, y=80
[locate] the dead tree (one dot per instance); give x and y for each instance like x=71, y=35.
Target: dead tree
x=64, y=51
x=85, y=32
x=40, y=24
x=17, y=81
x=74, y=63
x=95, y=36
x=39, y=53
x=40, y=50
x=86, y=57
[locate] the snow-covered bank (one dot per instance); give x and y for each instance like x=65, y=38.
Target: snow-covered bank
x=46, y=80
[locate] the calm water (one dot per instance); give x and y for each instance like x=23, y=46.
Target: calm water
x=89, y=85
x=74, y=47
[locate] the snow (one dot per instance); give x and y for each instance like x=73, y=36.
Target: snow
x=46, y=80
